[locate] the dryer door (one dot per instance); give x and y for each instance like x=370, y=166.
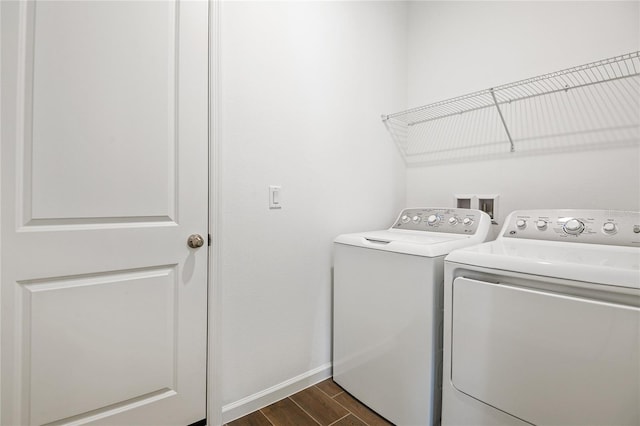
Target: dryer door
x=546, y=358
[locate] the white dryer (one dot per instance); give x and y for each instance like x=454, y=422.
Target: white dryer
x=542, y=326
x=387, y=327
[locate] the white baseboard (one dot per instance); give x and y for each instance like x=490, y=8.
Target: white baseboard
x=275, y=393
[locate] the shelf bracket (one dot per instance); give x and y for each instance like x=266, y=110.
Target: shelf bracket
x=504, y=123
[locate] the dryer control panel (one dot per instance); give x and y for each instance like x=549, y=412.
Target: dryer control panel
x=611, y=227
x=449, y=220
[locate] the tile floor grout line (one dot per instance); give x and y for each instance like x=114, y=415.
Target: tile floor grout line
x=267, y=417
x=354, y=414
x=326, y=393
x=338, y=394
x=349, y=413
x=305, y=411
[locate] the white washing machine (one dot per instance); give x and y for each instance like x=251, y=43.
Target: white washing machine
x=542, y=326
x=387, y=315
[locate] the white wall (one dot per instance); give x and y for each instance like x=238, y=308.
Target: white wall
x=302, y=87
x=460, y=47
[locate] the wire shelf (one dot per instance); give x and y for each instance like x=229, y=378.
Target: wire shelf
x=591, y=105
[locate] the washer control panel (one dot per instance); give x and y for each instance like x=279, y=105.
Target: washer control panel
x=620, y=228
x=449, y=220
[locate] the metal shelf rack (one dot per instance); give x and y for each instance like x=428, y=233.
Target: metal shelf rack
x=583, y=107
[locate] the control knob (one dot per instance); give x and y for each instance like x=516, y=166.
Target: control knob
x=453, y=220
x=541, y=225
x=610, y=228
x=405, y=218
x=416, y=219
x=433, y=219
x=521, y=223
x=573, y=227
x=467, y=221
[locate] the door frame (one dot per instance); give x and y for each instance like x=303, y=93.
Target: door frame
x=1, y=185
x=214, y=344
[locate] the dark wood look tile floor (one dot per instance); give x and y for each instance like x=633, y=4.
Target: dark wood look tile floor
x=325, y=404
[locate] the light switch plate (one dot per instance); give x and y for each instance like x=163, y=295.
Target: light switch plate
x=275, y=198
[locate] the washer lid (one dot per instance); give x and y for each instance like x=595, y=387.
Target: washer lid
x=601, y=264
x=419, y=243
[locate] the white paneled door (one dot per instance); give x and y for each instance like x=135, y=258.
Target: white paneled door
x=104, y=178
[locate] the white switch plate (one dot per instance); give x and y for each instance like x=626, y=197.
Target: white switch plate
x=275, y=201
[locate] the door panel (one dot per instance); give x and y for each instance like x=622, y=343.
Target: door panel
x=546, y=358
x=104, y=177
x=121, y=323
x=103, y=110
